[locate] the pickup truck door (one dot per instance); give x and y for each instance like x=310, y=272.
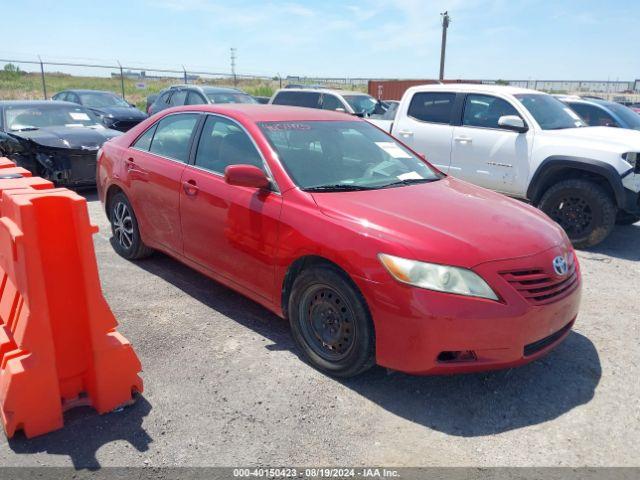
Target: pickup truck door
x=425, y=125
x=486, y=154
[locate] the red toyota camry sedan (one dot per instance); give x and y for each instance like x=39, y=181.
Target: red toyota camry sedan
x=372, y=254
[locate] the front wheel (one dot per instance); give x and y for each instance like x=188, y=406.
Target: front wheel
x=583, y=208
x=124, y=228
x=330, y=322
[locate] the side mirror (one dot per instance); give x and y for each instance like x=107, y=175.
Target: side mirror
x=512, y=122
x=246, y=176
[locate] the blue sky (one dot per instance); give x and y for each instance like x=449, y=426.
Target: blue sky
x=514, y=39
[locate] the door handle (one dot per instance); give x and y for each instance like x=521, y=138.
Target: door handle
x=190, y=188
x=130, y=163
x=405, y=133
x=463, y=139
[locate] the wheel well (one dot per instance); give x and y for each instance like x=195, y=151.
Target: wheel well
x=113, y=189
x=568, y=173
x=298, y=266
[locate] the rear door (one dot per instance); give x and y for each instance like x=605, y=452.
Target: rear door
x=230, y=230
x=426, y=126
x=486, y=154
x=154, y=165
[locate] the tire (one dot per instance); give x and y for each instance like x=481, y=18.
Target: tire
x=330, y=322
x=625, y=218
x=126, y=239
x=583, y=208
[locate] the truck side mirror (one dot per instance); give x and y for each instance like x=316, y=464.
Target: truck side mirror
x=512, y=122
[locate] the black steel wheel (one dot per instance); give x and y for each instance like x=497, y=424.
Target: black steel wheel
x=330, y=322
x=583, y=208
x=126, y=239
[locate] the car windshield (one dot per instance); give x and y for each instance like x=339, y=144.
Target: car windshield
x=344, y=155
x=631, y=118
x=549, y=112
x=101, y=100
x=230, y=97
x=361, y=103
x=19, y=118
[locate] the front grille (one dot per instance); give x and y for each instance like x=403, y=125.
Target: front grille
x=543, y=343
x=539, y=287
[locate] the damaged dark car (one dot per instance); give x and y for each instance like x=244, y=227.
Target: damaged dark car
x=55, y=140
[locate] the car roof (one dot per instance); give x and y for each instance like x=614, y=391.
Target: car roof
x=35, y=103
x=266, y=113
x=205, y=88
x=473, y=87
x=86, y=90
x=323, y=90
x=591, y=101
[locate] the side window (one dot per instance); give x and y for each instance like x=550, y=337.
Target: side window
x=173, y=135
x=298, y=99
x=331, y=102
x=485, y=111
x=224, y=143
x=59, y=96
x=432, y=107
x=144, y=141
x=178, y=98
x=594, y=116
x=164, y=98
x=194, y=98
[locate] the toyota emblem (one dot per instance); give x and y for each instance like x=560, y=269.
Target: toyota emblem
x=560, y=266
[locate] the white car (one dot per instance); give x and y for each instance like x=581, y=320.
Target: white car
x=354, y=103
x=528, y=145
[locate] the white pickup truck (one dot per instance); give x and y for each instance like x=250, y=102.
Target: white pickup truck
x=528, y=145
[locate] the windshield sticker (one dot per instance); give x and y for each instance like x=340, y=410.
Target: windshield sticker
x=79, y=116
x=410, y=176
x=282, y=127
x=393, y=149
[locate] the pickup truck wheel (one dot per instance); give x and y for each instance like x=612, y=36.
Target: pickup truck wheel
x=583, y=208
x=330, y=322
x=625, y=218
x=126, y=239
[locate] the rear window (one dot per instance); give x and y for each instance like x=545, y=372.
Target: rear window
x=298, y=99
x=432, y=107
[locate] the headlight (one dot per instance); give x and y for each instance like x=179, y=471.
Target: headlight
x=441, y=278
x=631, y=158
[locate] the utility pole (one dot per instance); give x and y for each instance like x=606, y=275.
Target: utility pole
x=445, y=25
x=233, y=66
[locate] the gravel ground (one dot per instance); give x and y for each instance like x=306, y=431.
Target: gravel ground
x=224, y=386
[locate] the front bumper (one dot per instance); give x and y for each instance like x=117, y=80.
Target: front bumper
x=415, y=326
x=631, y=200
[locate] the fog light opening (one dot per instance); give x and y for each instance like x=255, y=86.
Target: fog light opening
x=457, y=356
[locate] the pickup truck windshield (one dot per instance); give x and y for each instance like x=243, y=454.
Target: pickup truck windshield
x=341, y=156
x=549, y=112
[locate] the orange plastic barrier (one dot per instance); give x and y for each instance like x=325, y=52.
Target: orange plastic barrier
x=59, y=347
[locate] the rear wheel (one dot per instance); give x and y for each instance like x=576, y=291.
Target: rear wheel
x=124, y=227
x=330, y=322
x=583, y=208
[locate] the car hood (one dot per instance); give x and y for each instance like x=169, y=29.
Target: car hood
x=621, y=139
x=77, y=138
x=121, y=113
x=448, y=221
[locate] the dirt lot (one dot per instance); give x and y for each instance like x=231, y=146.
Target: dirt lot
x=224, y=386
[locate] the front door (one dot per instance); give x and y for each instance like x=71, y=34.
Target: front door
x=485, y=154
x=230, y=230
